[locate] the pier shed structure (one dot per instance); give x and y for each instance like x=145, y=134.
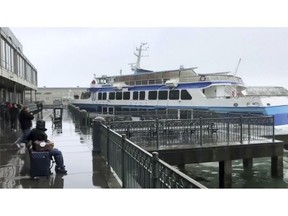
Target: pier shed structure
x=17, y=73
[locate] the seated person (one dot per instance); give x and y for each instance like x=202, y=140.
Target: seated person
x=39, y=134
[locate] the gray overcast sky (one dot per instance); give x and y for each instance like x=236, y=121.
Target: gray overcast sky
x=68, y=57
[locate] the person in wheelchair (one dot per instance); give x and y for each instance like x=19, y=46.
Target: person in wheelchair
x=38, y=134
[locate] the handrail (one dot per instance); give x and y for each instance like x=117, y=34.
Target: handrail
x=136, y=167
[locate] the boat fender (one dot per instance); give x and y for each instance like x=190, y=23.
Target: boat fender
x=202, y=78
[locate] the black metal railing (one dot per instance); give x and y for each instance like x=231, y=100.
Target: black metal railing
x=202, y=131
x=136, y=167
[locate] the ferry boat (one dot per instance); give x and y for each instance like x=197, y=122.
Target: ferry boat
x=180, y=89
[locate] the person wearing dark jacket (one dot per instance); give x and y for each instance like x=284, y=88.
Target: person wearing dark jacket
x=39, y=134
x=14, y=112
x=25, y=120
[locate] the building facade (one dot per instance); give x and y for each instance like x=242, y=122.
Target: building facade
x=17, y=73
x=50, y=95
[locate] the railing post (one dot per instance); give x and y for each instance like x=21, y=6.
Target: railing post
x=96, y=136
x=228, y=132
x=155, y=170
x=200, y=121
x=123, y=161
x=249, y=130
x=83, y=118
x=108, y=145
x=157, y=133
x=273, y=129
x=241, y=129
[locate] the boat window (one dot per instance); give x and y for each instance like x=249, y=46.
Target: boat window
x=185, y=95
x=142, y=95
x=152, y=95
x=132, y=83
x=104, y=110
x=135, y=95
x=163, y=95
x=138, y=82
x=174, y=95
x=126, y=95
x=158, y=81
x=100, y=96
x=151, y=82
x=111, y=95
x=118, y=95
x=144, y=82
x=110, y=110
x=104, y=95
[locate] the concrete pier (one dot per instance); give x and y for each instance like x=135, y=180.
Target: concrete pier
x=225, y=154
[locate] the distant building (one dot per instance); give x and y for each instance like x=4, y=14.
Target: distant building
x=52, y=95
x=17, y=73
x=266, y=91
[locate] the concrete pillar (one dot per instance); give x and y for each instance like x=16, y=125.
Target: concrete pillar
x=23, y=95
x=14, y=93
x=248, y=163
x=31, y=95
x=277, y=166
x=225, y=174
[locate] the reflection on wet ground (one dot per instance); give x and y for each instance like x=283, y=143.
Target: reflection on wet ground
x=85, y=169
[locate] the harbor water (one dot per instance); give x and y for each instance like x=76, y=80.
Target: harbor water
x=259, y=176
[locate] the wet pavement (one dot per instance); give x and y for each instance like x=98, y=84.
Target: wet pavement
x=85, y=169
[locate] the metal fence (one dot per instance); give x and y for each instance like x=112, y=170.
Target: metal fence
x=80, y=117
x=136, y=167
x=202, y=131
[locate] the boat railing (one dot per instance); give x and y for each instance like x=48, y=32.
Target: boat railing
x=212, y=78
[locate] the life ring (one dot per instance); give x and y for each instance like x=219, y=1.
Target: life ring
x=202, y=78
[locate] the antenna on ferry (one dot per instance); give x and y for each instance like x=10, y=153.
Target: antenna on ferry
x=237, y=67
x=135, y=66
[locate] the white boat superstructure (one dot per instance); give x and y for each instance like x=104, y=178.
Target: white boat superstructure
x=180, y=89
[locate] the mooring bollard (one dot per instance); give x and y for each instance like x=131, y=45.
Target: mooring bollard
x=155, y=170
x=83, y=118
x=96, y=136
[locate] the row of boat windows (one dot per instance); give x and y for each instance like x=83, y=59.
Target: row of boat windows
x=141, y=95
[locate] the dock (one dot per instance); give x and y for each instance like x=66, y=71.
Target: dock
x=85, y=168
x=253, y=138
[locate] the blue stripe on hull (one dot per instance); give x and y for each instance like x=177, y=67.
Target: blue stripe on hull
x=280, y=114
